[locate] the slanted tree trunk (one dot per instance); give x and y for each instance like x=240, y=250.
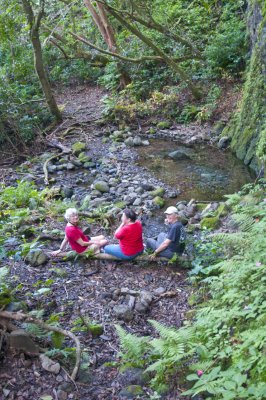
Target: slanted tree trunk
x=105, y=28
x=34, y=24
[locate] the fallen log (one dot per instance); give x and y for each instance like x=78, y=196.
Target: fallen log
x=181, y=261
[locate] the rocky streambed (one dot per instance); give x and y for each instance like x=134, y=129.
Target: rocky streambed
x=102, y=170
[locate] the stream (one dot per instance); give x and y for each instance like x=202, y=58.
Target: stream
x=203, y=172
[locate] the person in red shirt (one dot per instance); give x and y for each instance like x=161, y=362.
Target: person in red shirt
x=75, y=237
x=129, y=234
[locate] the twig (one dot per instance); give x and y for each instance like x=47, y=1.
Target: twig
x=66, y=291
x=26, y=318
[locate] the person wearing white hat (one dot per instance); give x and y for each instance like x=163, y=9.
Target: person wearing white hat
x=167, y=244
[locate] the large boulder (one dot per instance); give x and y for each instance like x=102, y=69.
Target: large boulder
x=36, y=257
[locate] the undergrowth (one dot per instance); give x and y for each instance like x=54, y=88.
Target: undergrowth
x=222, y=349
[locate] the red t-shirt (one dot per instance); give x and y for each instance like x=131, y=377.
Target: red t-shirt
x=73, y=233
x=130, y=238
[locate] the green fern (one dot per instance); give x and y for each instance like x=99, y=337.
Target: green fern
x=134, y=347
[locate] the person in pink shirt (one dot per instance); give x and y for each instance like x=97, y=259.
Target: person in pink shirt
x=75, y=237
x=129, y=234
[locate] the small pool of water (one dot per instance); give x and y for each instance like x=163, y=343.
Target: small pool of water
x=206, y=174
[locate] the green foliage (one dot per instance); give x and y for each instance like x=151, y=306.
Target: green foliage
x=133, y=348
x=224, y=344
x=25, y=194
x=5, y=291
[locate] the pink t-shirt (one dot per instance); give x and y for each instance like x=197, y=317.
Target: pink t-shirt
x=73, y=233
x=130, y=238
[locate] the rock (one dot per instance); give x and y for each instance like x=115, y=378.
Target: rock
x=95, y=329
x=158, y=201
x=102, y=186
x=158, y=192
x=131, y=302
x=16, y=306
x=179, y=155
x=210, y=222
x=129, y=142
x=36, y=257
x=70, y=166
x=123, y=312
x=67, y=192
x=145, y=143
x=146, y=296
x=61, y=395
x=137, y=141
x=49, y=365
x=224, y=142
x=159, y=290
x=137, y=202
x=83, y=157
x=19, y=341
x=78, y=147
x=164, y=124
x=132, y=376
x=147, y=187
x=89, y=164
x=131, y=392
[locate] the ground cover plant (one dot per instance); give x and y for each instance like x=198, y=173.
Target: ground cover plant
x=221, y=349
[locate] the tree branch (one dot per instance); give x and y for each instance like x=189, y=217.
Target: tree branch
x=134, y=60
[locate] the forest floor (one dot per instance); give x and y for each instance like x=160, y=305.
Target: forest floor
x=89, y=291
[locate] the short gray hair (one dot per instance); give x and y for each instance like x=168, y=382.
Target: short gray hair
x=69, y=212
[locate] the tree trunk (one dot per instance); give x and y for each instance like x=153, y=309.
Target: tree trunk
x=168, y=60
x=101, y=20
x=34, y=23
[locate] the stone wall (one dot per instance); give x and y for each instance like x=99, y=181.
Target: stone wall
x=247, y=128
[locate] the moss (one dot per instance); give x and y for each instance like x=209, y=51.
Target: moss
x=84, y=158
x=210, y=223
x=222, y=210
x=247, y=127
x=201, y=206
x=95, y=330
x=164, y=124
x=158, y=192
x=78, y=147
x=120, y=204
x=158, y=201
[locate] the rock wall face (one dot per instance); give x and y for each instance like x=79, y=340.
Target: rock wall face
x=247, y=128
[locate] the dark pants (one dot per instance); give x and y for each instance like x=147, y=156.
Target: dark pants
x=154, y=244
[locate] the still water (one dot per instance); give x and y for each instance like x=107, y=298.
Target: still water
x=203, y=172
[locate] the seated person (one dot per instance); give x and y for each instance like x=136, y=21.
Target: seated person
x=129, y=234
x=76, y=238
x=167, y=244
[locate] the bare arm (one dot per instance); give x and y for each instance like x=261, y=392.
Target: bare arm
x=162, y=247
x=62, y=247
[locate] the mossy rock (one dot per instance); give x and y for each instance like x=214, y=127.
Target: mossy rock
x=210, y=223
x=201, y=206
x=158, y=201
x=152, y=131
x=120, y=204
x=78, y=147
x=84, y=158
x=158, y=192
x=164, y=124
x=222, y=210
x=131, y=392
x=102, y=186
x=96, y=330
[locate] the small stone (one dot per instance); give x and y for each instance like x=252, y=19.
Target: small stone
x=123, y=312
x=49, y=365
x=160, y=290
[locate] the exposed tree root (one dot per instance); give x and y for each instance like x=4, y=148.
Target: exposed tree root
x=18, y=316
